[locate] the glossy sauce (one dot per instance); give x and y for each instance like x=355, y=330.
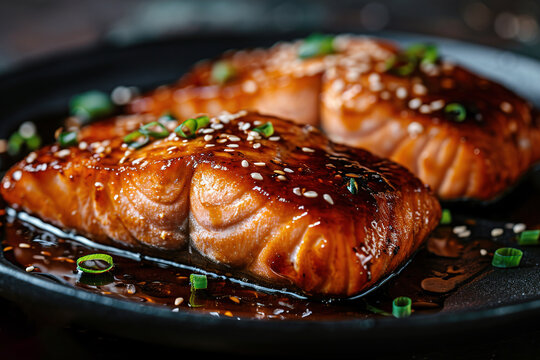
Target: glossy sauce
x=444, y=264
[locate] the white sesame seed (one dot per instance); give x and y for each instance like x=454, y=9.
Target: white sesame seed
x=256, y=145
x=63, y=153
x=245, y=163
x=281, y=177
x=274, y=138
x=425, y=109
x=506, y=107
x=419, y=89
x=311, y=194
x=209, y=145
x=415, y=103
x=415, y=128
x=297, y=191
x=17, y=175
x=232, y=145
x=437, y=105
x=233, y=138
x=217, y=126
x=519, y=228
x=401, y=93
x=306, y=149
x=31, y=157
x=259, y=164
x=208, y=137
x=288, y=170
x=6, y=184
x=221, y=141
x=24, y=246
x=178, y=301
x=459, y=229
x=207, y=130
x=496, y=232
x=228, y=150
x=328, y=199
x=245, y=126
x=256, y=176
x=464, y=234
x=30, y=269
x=483, y=252
x=249, y=86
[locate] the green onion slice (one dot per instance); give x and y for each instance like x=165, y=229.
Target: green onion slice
x=91, y=104
x=198, y=282
x=529, y=237
x=266, y=129
x=136, y=139
x=33, y=142
x=425, y=53
x=67, y=139
x=375, y=309
x=222, y=72
x=446, y=217
x=189, y=127
x=456, y=112
x=401, y=306
x=316, y=45
x=507, y=257
x=95, y=263
x=404, y=63
x=202, y=121
x=15, y=142
x=352, y=186
x=154, y=129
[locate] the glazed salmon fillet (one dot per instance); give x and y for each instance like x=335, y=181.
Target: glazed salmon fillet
x=464, y=135
x=285, y=208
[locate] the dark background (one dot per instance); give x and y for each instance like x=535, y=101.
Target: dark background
x=33, y=30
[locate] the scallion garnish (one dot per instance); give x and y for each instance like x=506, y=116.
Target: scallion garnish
x=136, y=139
x=166, y=118
x=188, y=128
x=507, y=257
x=405, y=62
x=529, y=237
x=352, y=186
x=198, y=282
x=425, y=53
x=446, y=217
x=266, y=129
x=91, y=104
x=316, y=45
x=455, y=112
x=222, y=72
x=67, y=139
x=95, y=263
x=154, y=129
x=401, y=306
x=33, y=142
x=15, y=142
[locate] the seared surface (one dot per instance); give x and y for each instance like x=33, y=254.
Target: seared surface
x=279, y=213
x=357, y=101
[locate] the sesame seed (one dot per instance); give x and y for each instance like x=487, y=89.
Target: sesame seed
x=245, y=163
x=17, y=175
x=30, y=269
x=419, y=89
x=415, y=103
x=232, y=145
x=401, y=93
x=31, y=157
x=328, y=199
x=208, y=137
x=306, y=149
x=279, y=172
x=234, y=138
x=483, y=252
x=207, y=130
x=274, y=138
x=437, y=105
x=256, y=145
x=415, y=128
x=209, y=145
x=281, y=177
x=297, y=191
x=425, y=109
x=221, y=141
x=256, y=176
x=245, y=126
x=311, y=194
x=464, y=234
x=497, y=232
x=228, y=150
x=24, y=245
x=259, y=164
x=519, y=228
x=65, y=152
x=217, y=126
x=249, y=86
x=459, y=229
x=506, y=107
x=288, y=170
x=6, y=184
x=178, y=301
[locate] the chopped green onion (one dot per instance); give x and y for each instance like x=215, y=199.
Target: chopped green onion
x=67, y=139
x=446, y=217
x=376, y=310
x=529, y=237
x=400, y=65
x=316, y=45
x=507, y=257
x=426, y=53
x=166, y=118
x=266, y=129
x=33, y=142
x=15, y=142
x=222, y=72
x=456, y=112
x=95, y=263
x=352, y=186
x=91, y=104
x=198, y=282
x=405, y=62
x=189, y=127
x=401, y=306
x=154, y=129
x=136, y=139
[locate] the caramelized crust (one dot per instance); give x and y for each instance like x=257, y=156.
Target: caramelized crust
x=358, y=102
x=276, y=209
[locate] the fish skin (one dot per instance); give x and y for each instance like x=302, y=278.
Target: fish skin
x=175, y=194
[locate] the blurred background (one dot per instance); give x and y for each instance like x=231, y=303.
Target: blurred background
x=31, y=29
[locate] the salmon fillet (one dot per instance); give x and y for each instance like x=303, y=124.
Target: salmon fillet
x=362, y=97
x=289, y=209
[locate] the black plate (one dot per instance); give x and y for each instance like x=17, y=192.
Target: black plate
x=40, y=92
